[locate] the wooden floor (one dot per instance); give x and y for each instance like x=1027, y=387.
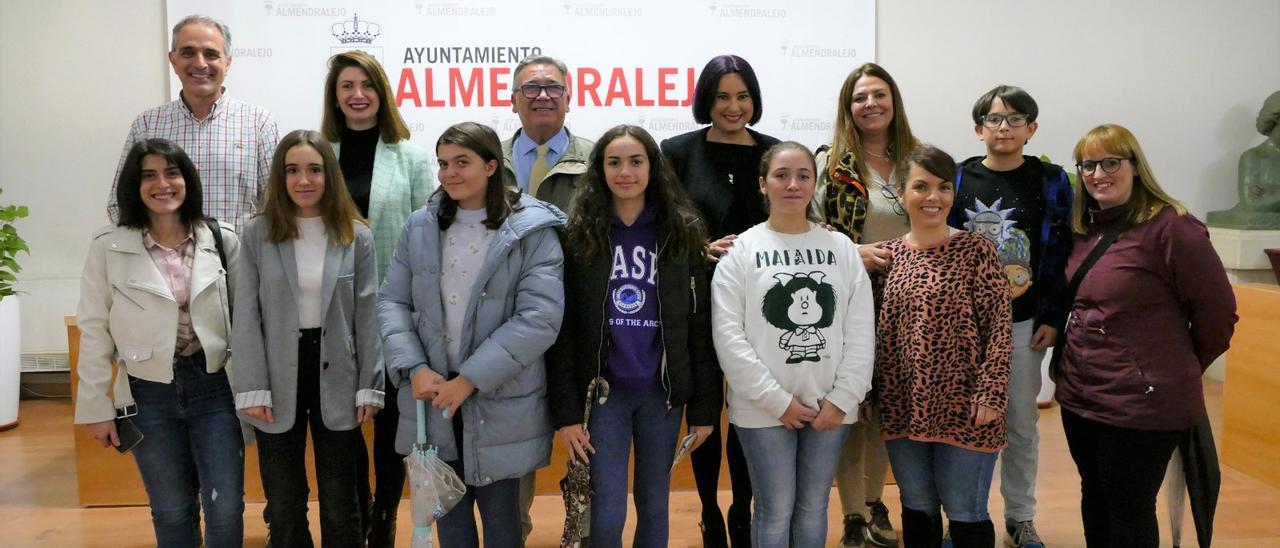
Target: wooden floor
x=38, y=499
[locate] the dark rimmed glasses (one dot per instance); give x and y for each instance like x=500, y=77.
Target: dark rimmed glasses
x=993, y=121
x=1109, y=165
x=532, y=91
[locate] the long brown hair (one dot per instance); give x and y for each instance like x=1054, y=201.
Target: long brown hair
x=336, y=207
x=847, y=136
x=391, y=126
x=1146, y=198
x=593, y=208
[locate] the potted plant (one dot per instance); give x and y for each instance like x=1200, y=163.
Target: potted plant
x=10, y=332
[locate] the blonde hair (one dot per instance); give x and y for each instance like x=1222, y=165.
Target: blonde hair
x=1146, y=199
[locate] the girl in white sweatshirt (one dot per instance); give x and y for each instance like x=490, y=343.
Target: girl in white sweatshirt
x=792, y=321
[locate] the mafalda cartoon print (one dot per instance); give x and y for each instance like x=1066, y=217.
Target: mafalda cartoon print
x=801, y=305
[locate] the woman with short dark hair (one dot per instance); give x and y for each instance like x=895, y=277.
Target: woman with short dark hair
x=719, y=167
x=943, y=348
x=155, y=298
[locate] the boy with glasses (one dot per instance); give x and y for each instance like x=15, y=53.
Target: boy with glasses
x=1022, y=205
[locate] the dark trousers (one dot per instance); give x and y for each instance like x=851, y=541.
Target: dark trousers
x=499, y=504
x=388, y=466
x=1121, y=470
x=706, y=476
x=282, y=461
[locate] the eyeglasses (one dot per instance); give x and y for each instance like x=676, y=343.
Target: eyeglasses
x=532, y=91
x=1109, y=165
x=993, y=121
x=892, y=197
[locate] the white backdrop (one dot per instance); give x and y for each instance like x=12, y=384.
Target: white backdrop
x=451, y=61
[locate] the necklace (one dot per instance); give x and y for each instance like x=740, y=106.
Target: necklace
x=884, y=156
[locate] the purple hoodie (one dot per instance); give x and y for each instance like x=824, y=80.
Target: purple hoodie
x=635, y=328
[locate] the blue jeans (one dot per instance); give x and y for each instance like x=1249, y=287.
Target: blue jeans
x=791, y=473
x=645, y=419
x=932, y=475
x=499, y=504
x=191, y=456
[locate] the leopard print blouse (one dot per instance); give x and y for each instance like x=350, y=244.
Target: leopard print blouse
x=943, y=342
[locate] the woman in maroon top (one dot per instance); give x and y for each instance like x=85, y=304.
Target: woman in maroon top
x=1150, y=315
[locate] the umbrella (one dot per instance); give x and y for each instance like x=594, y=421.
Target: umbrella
x=434, y=486
x=576, y=484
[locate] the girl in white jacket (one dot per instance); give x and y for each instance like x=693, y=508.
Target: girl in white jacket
x=154, y=298
x=792, y=321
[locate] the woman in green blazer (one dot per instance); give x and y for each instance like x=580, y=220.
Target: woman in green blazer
x=388, y=178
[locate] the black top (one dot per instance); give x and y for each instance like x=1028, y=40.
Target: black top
x=704, y=168
x=1007, y=207
x=356, y=159
x=738, y=167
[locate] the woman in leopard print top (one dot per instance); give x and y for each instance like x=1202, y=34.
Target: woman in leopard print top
x=943, y=350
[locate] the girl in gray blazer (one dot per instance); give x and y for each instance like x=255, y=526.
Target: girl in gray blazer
x=472, y=299
x=306, y=340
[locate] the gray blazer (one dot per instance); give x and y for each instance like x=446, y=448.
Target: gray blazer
x=265, y=332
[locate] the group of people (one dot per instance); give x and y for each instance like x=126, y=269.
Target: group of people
x=874, y=304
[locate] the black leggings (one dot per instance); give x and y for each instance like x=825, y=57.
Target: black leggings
x=706, y=475
x=1121, y=470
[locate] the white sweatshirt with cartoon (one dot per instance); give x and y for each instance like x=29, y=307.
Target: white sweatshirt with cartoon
x=792, y=315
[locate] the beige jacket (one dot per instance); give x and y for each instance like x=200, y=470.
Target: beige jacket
x=127, y=313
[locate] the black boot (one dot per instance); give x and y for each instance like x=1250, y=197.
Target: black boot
x=740, y=526
x=712, y=525
x=973, y=534
x=921, y=530
x=382, y=528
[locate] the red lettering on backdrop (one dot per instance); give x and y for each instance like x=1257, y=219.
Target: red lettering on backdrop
x=430, y=96
x=665, y=85
x=640, y=100
x=498, y=87
x=408, y=89
x=588, y=81
x=689, y=98
x=471, y=90
x=617, y=89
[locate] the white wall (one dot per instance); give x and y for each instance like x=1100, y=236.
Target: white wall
x=1187, y=77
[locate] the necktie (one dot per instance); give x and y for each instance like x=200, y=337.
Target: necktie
x=539, y=171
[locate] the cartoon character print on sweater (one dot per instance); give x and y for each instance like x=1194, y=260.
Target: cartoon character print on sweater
x=801, y=305
x=995, y=225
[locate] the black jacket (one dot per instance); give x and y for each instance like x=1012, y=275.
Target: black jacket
x=690, y=160
x=691, y=376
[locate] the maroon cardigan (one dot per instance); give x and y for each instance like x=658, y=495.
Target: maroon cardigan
x=1149, y=317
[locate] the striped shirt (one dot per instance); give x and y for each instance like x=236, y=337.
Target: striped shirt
x=231, y=148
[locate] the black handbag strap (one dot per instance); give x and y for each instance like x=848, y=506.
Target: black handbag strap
x=217, y=240
x=1109, y=237
x=222, y=255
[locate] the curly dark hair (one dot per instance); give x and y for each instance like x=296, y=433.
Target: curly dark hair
x=588, y=228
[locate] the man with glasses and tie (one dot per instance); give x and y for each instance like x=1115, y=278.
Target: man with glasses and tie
x=543, y=158
x=1023, y=206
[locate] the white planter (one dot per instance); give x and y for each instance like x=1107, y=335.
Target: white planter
x=10, y=361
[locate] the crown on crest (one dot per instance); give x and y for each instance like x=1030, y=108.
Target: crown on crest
x=356, y=31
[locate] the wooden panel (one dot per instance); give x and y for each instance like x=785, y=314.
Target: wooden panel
x=1251, y=434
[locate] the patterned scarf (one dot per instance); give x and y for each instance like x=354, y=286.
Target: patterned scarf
x=845, y=202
